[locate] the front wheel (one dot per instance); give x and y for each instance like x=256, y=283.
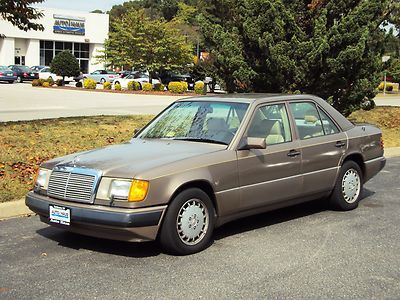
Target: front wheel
x=102, y=81
x=188, y=224
x=19, y=79
x=348, y=188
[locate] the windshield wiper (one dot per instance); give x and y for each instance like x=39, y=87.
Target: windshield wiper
x=201, y=140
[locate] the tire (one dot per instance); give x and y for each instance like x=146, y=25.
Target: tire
x=102, y=81
x=183, y=232
x=348, y=188
x=117, y=82
x=19, y=79
x=11, y=81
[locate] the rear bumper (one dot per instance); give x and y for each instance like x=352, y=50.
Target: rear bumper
x=102, y=221
x=373, y=167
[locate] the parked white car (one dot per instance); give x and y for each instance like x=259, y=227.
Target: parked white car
x=135, y=76
x=46, y=74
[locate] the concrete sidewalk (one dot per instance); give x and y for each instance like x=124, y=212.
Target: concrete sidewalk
x=18, y=208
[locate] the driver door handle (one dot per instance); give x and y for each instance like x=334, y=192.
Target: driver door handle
x=293, y=153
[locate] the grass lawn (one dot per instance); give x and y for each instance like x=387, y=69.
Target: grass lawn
x=24, y=145
x=386, y=118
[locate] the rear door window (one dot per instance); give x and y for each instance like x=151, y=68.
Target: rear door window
x=308, y=121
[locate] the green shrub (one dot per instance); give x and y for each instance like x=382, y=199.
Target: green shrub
x=159, y=87
x=147, y=86
x=133, y=85
x=107, y=85
x=35, y=82
x=185, y=85
x=89, y=84
x=389, y=86
x=176, y=87
x=199, y=88
x=117, y=87
x=59, y=82
x=41, y=81
x=46, y=84
x=50, y=81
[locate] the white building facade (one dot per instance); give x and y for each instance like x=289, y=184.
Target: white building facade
x=81, y=33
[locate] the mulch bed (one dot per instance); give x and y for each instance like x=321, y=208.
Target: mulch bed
x=155, y=93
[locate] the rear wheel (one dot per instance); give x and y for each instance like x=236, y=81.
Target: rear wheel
x=348, y=188
x=188, y=224
x=102, y=81
x=19, y=79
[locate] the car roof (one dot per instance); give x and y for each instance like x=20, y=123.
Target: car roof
x=249, y=97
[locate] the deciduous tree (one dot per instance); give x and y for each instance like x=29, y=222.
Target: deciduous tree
x=21, y=14
x=140, y=42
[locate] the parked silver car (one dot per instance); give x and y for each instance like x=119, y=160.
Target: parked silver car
x=102, y=76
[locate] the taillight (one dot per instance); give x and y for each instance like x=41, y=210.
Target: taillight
x=25, y=74
x=1, y=74
x=382, y=143
x=15, y=74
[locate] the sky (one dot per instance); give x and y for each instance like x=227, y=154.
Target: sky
x=81, y=5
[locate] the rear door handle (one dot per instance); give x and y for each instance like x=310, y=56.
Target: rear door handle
x=340, y=144
x=293, y=153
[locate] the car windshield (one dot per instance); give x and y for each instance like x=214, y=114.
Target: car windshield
x=4, y=68
x=197, y=121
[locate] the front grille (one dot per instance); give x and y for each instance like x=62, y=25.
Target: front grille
x=72, y=186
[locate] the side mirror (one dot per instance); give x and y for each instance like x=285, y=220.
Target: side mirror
x=253, y=143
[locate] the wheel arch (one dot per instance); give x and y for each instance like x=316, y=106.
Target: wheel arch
x=358, y=159
x=201, y=184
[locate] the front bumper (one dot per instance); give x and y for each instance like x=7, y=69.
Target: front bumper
x=102, y=221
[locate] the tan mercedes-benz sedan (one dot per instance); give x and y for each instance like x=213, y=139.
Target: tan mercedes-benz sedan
x=206, y=161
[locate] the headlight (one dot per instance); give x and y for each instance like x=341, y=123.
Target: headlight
x=133, y=191
x=42, y=179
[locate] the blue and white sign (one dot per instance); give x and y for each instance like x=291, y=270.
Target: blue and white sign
x=69, y=25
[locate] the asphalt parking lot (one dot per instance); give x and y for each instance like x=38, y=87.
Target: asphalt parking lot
x=21, y=101
x=301, y=252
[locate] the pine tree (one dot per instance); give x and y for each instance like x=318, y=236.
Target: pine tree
x=331, y=48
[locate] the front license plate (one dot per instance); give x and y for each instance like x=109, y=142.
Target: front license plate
x=59, y=215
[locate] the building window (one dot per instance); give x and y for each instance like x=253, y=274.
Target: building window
x=49, y=49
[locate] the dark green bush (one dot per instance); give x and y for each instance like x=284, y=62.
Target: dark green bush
x=59, y=82
x=159, y=87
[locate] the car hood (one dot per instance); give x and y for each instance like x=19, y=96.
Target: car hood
x=131, y=159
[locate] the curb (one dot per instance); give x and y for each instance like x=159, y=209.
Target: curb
x=14, y=209
x=18, y=208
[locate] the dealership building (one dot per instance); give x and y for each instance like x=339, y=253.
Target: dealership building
x=81, y=33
